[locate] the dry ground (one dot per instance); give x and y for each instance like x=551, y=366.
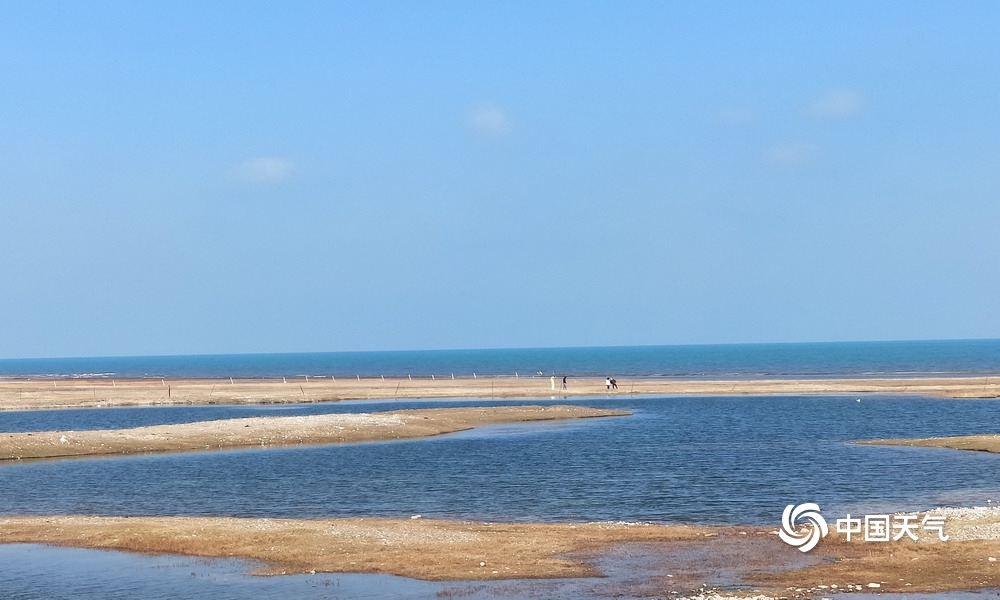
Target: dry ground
x=21, y=394
x=453, y=550
x=265, y=432
x=981, y=443
x=420, y=548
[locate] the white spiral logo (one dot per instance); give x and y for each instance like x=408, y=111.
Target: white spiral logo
x=804, y=541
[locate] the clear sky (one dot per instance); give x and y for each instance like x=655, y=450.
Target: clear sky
x=216, y=177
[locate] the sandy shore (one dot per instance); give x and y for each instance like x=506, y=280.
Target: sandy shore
x=84, y=393
x=263, y=432
x=680, y=557
x=980, y=443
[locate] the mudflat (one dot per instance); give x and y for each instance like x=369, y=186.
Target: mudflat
x=679, y=556
x=419, y=548
x=266, y=432
x=25, y=394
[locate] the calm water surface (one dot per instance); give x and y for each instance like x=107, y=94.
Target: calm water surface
x=829, y=359
x=33, y=572
x=676, y=460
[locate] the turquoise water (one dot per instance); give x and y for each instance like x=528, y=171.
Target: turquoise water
x=954, y=357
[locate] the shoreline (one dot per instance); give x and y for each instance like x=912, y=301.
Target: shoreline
x=16, y=394
x=278, y=431
x=440, y=550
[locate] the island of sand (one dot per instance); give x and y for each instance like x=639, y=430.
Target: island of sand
x=979, y=443
x=257, y=432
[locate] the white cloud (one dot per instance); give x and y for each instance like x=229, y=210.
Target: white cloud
x=793, y=156
x=263, y=170
x=490, y=120
x=841, y=104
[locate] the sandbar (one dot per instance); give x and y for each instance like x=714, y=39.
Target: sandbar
x=25, y=394
x=264, y=432
x=979, y=443
x=680, y=557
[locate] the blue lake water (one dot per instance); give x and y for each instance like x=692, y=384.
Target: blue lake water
x=837, y=359
x=710, y=460
x=32, y=572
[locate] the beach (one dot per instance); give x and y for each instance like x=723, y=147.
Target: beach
x=28, y=394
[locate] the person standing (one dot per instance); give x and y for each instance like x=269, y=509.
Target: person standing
x=564, y=382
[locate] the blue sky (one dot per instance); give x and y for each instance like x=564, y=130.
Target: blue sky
x=222, y=177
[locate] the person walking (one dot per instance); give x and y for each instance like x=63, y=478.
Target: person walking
x=564, y=382
x=607, y=382
x=614, y=383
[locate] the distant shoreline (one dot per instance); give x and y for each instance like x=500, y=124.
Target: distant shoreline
x=103, y=393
